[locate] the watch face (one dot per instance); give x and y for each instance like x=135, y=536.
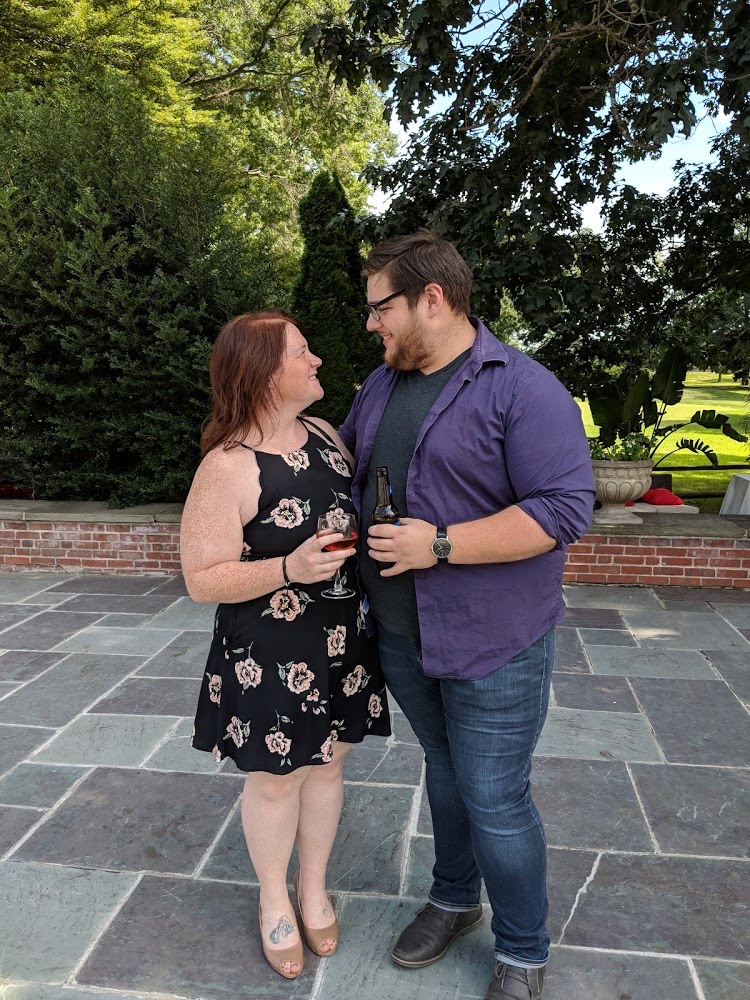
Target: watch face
x=442, y=548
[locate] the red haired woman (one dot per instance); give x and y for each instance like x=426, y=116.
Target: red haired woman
x=292, y=680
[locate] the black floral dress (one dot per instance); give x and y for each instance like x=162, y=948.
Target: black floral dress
x=292, y=671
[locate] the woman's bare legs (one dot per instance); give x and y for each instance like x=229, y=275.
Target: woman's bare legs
x=320, y=801
x=270, y=816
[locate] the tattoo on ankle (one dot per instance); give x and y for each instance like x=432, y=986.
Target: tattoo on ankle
x=326, y=911
x=282, y=930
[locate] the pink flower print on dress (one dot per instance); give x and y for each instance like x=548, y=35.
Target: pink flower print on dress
x=297, y=460
x=249, y=673
x=289, y=513
x=355, y=681
x=236, y=731
x=246, y=552
x=217, y=754
x=327, y=750
x=336, y=640
x=299, y=677
x=278, y=743
x=214, y=688
x=375, y=707
x=284, y=604
x=336, y=461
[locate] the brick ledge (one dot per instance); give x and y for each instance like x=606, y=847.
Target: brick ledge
x=702, y=550
x=89, y=511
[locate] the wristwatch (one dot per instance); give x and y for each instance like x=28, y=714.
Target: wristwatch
x=442, y=547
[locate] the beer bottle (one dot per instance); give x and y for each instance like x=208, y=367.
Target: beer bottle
x=385, y=511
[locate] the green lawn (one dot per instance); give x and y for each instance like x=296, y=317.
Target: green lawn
x=703, y=391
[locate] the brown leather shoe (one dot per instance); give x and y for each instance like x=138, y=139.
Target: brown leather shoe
x=431, y=933
x=512, y=983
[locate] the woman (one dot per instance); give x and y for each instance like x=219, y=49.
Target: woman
x=292, y=680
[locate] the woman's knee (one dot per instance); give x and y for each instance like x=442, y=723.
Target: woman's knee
x=333, y=771
x=275, y=787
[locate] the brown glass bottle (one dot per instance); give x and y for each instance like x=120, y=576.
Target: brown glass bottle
x=385, y=511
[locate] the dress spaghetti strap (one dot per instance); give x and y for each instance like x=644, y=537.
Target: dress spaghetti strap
x=319, y=431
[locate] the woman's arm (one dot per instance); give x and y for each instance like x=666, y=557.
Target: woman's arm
x=223, y=497
x=211, y=531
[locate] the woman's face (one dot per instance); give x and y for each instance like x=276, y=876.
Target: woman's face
x=297, y=379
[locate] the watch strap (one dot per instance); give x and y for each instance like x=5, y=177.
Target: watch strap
x=441, y=533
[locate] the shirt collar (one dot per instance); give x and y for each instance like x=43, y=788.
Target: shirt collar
x=486, y=345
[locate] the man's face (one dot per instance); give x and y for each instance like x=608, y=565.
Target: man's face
x=402, y=329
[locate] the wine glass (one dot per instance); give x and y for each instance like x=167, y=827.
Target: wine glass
x=346, y=525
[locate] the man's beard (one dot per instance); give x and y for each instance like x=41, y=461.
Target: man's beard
x=411, y=350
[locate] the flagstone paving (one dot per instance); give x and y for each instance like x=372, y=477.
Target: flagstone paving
x=123, y=868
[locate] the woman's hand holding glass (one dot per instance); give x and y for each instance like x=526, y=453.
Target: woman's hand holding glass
x=311, y=563
x=339, y=531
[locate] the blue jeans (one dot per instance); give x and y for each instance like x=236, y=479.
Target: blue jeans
x=478, y=737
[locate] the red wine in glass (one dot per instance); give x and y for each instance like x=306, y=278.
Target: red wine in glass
x=345, y=543
x=336, y=522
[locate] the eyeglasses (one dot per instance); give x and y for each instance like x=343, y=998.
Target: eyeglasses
x=373, y=308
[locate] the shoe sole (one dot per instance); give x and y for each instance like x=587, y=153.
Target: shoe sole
x=430, y=961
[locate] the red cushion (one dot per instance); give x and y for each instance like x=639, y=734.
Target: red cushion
x=661, y=498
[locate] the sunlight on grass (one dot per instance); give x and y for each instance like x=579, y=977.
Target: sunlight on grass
x=703, y=391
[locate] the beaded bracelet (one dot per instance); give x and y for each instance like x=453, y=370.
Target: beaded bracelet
x=287, y=581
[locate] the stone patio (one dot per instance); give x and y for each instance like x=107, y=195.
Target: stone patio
x=123, y=871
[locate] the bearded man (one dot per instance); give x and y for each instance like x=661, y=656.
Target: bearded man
x=490, y=465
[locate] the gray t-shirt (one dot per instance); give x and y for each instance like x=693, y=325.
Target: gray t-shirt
x=393, y=600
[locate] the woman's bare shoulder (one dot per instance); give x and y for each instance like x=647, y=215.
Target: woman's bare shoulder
x=332, y=433
x=224, y=466
x=323, y=425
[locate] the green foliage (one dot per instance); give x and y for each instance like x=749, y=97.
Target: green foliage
x=506, y=322
x=630, y=448
x=624, y=409
x=715, y=329
x=123, y=248
x=47, y=42
x=291, y=120
x=665, y=270
x=328, y=299
x=152, y=159
x=524, y=113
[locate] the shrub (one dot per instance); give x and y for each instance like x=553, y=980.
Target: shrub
x=329, y=297
x=123, y=248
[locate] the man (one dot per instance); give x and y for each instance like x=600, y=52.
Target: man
x=489, y=461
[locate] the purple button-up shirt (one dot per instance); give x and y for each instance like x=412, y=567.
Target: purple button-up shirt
x=504, y=431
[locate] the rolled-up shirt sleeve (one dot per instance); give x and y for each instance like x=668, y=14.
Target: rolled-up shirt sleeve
x=547, y=458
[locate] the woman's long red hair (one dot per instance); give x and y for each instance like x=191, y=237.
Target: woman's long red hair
x=247, y=354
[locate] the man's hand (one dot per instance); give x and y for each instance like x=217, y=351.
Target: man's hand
x=407, y=545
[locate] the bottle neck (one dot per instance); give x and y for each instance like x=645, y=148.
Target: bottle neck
x=383, y=491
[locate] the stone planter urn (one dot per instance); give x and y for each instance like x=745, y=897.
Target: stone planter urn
x=616, y=484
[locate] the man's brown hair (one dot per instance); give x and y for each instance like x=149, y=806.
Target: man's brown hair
x=420, y=259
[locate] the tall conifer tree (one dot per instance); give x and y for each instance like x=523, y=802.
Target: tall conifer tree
x=329, y=297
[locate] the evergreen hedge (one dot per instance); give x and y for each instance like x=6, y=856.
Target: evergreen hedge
x=123, y=249
x=330, y=295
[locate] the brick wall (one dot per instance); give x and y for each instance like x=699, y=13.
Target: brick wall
x=79, y=546
x=650, y=559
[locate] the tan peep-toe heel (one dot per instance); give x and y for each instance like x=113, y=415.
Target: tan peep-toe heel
x=278, y=959
x=315, y=936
